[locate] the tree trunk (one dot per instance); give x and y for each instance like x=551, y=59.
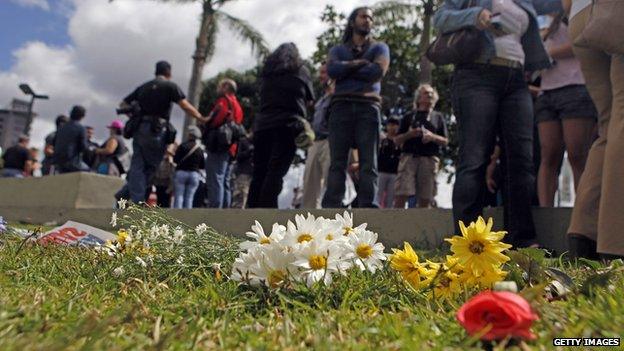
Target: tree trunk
x=199, y=60
x=425, y=40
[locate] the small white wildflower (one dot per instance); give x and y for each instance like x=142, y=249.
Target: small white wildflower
x=163, y=230
x=154, y=232
x=178, y=235
x=113, y=220
x=118, y=271
x=122, y=204
x=180, y=260
x=140, y=261
x=201, y=229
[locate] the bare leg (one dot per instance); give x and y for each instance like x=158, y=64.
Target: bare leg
x=552, y=148
x=578, y=134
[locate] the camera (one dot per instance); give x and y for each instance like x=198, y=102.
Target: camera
x=133, y=110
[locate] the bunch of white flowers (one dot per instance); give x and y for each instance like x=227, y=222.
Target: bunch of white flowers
x=309, y=250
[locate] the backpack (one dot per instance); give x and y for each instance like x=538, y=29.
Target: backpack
x=221, y=138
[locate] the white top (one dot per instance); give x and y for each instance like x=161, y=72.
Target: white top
x=515, y=22
x=578, y=6
x=566, y=71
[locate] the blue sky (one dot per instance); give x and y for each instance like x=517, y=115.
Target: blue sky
x=20, y=24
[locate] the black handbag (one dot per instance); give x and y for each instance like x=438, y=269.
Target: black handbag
x=458, y=47
x=221, y=138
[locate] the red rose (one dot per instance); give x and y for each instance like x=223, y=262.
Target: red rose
x=509, y=314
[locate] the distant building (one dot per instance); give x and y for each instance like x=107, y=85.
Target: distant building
x=13, y=120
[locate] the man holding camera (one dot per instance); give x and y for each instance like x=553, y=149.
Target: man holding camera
x=150, y=109
x=421, y=135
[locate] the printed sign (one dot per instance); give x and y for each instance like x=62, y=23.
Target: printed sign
x=74, y=233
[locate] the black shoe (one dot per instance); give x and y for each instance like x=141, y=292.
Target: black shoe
x=582, y=247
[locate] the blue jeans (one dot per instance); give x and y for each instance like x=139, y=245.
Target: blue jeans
x=353, y=125
x=12, y=173
x=218, y=179
x=491, y=101
x=185, y=186
x=148, y=151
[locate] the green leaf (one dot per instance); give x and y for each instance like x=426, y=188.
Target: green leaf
x=595, y=265
x=596, y=280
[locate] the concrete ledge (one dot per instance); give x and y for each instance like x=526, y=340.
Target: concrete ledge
x=72, y=190
x=425, y=228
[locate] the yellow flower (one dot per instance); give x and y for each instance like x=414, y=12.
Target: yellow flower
x=447, y=284
x=122, y=237
x=479, y=249
x=406, y=263
x=484, y=281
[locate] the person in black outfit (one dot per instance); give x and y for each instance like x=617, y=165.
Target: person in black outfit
x=48, y=151
x=189, y=158
x=70, y=143
x=242, y=171
x=155, y=99
x=388, y=163
x=17, y=159
x=286, y=91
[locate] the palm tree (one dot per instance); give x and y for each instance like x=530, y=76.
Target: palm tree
x=211, y=18
x=394, y=7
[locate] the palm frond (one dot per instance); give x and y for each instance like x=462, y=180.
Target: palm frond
x=245, y=32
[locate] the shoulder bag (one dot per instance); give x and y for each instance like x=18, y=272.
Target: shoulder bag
x=461, y=46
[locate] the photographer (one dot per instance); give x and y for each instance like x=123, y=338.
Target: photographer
x=150, y=109
x=422, y=133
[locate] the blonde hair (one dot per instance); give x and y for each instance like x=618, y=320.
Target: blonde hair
x=434, y=98
x=229, y=82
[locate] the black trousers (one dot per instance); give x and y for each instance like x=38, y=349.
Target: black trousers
x=274, y=151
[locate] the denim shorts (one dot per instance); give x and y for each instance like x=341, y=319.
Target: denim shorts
x=572, y=101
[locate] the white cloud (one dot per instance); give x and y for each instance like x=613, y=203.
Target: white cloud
x=42, y=4
x=115, y=45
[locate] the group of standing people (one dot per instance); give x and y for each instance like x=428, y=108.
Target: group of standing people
x=493, y=105
x=70, y=148
x=496, y=99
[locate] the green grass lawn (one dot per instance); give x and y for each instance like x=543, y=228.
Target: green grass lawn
x=70, y=298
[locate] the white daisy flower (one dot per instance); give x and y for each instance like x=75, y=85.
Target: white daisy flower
x=243, y=267
x=364, y=250
x=318, y=260
x=163, y=230
x=201, y=229
x=119, y=271
x=122, y=204
x=346, y=222
x=332, y=231
x=260, y=238
x=140, y=261
x=113, y=221
x=304, y=230
x=111, y=249
x=178, y=235
x=274, y=266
